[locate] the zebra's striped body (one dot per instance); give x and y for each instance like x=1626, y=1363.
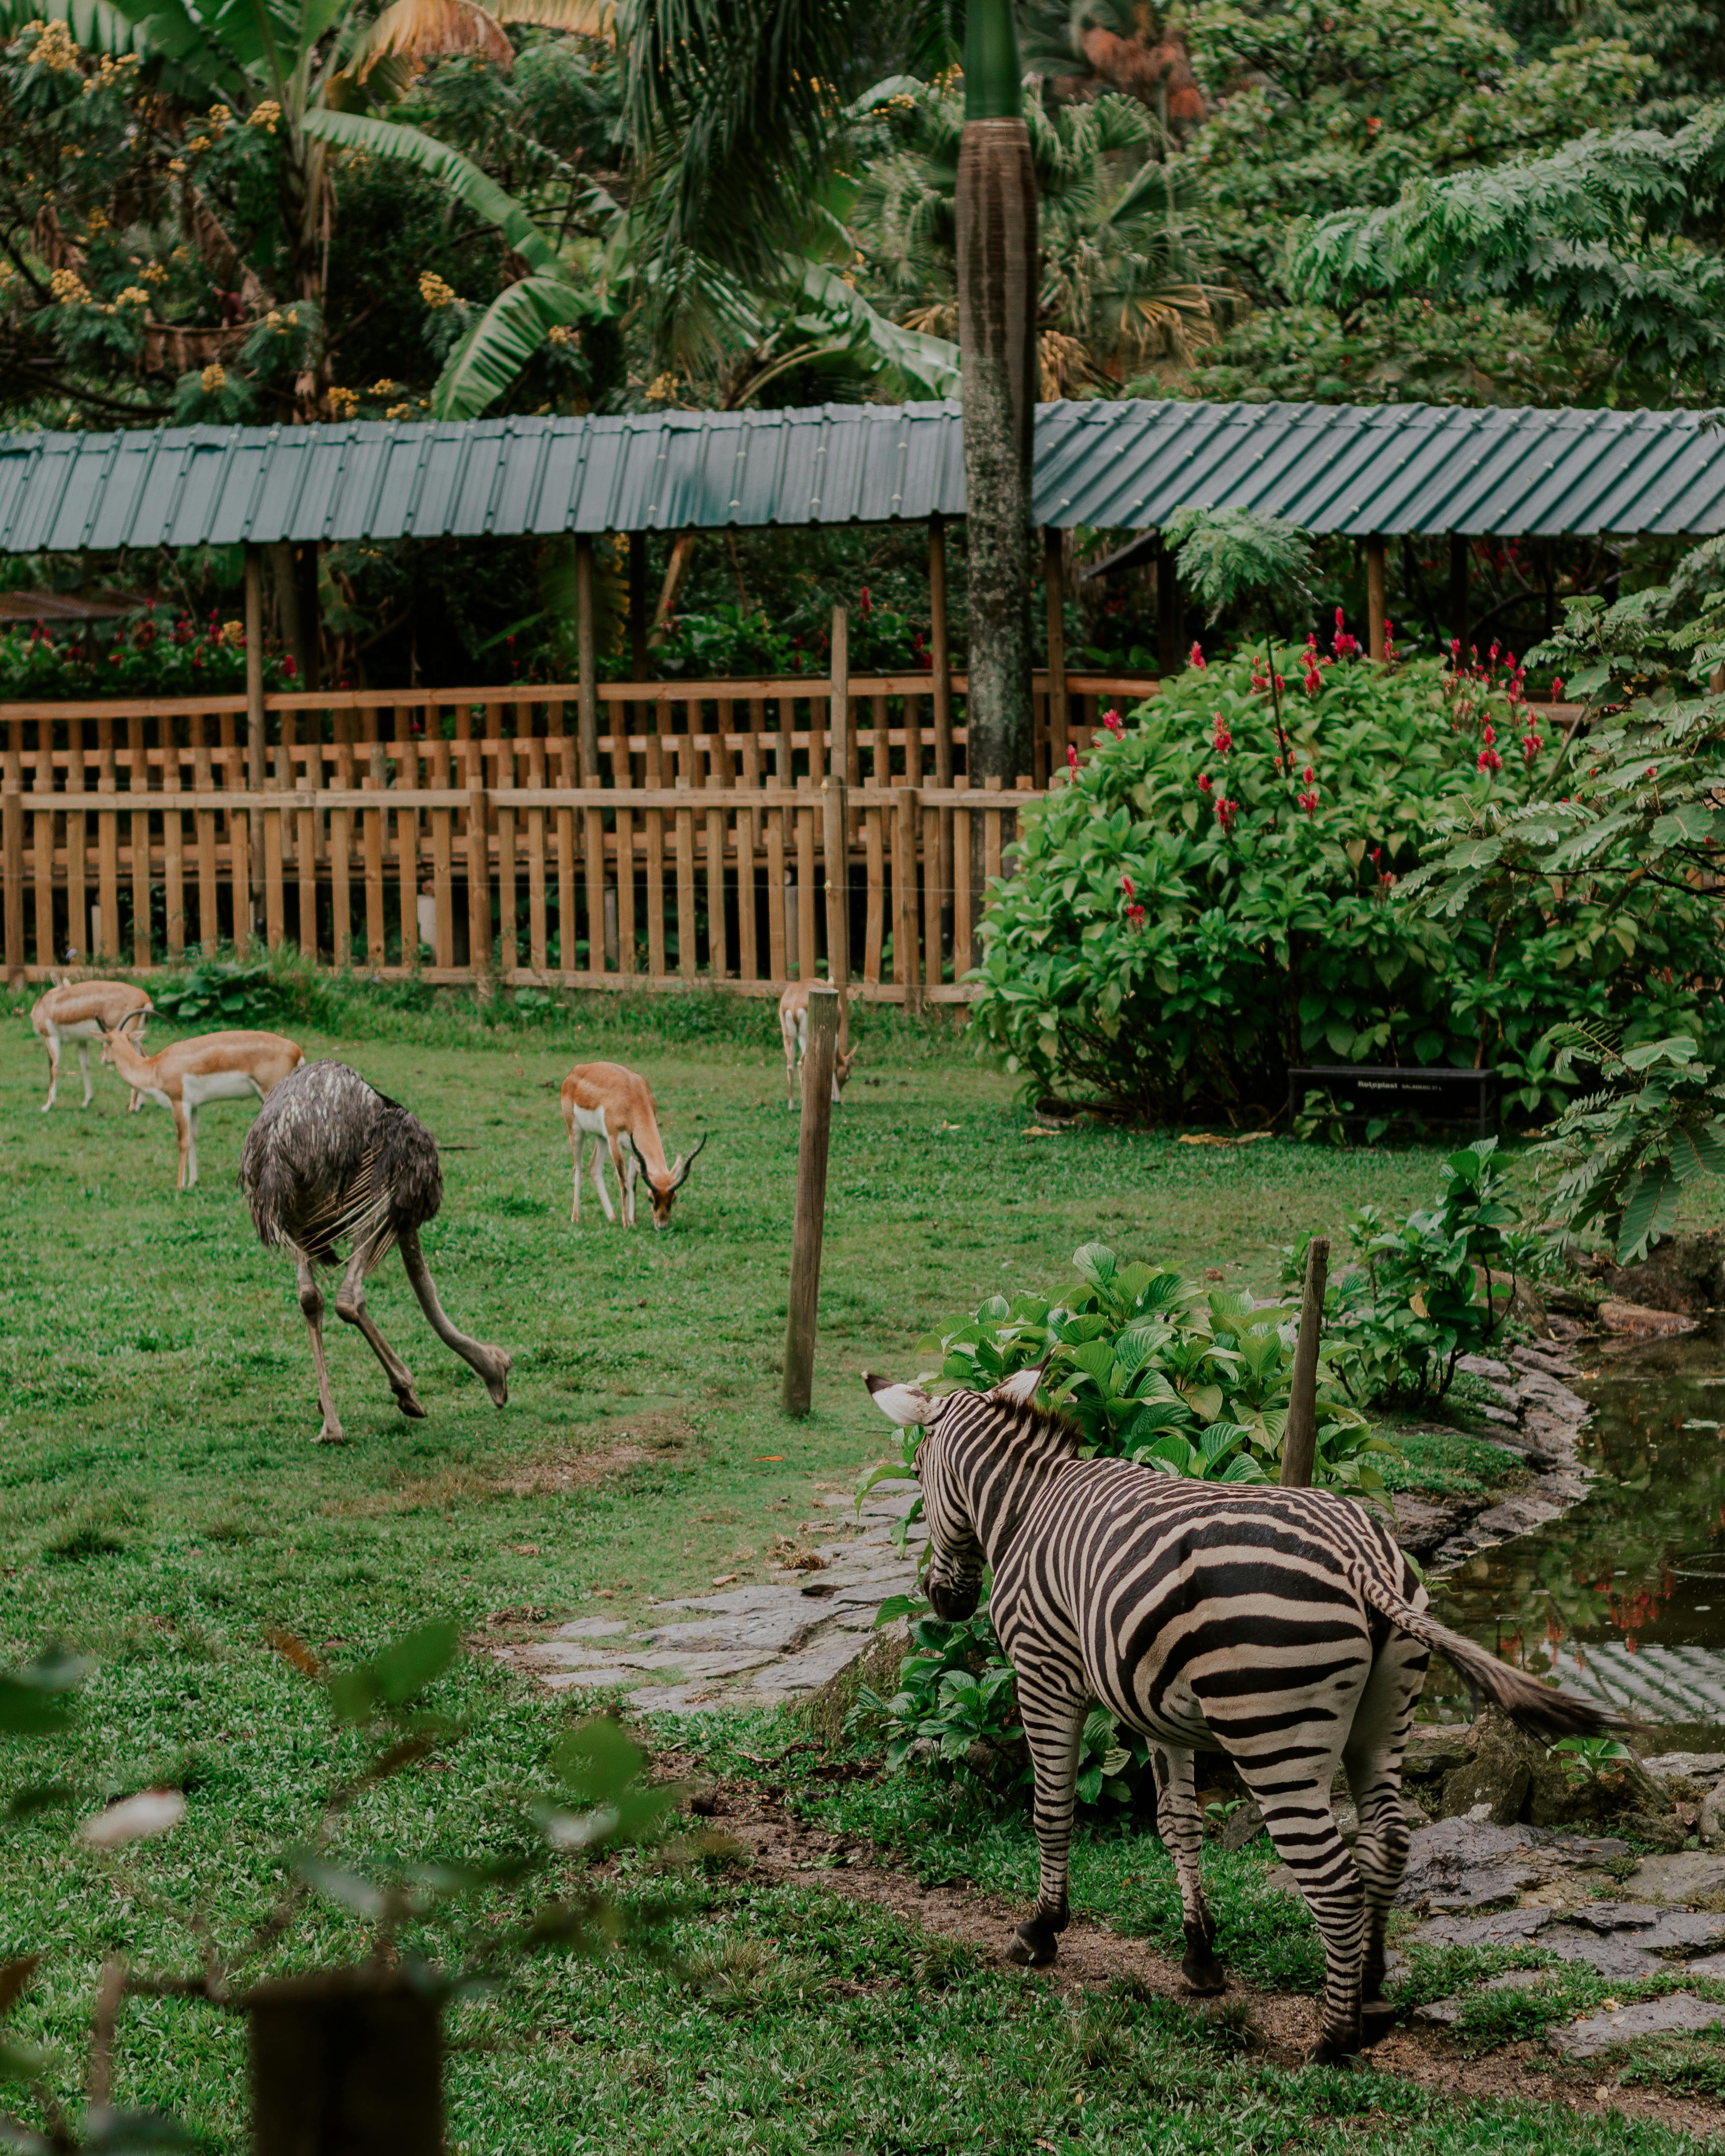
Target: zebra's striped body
x=1283, y=1627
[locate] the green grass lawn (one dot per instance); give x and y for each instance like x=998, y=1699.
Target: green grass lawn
x=164, y=1502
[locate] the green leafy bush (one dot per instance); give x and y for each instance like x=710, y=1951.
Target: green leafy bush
x=1159, y=1373
x=1426, y=1290
x=1213, y=896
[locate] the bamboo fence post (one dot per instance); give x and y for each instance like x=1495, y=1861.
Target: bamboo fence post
x=210, y=919
x=376, y=781
x=107, y=847
x=12, y=845
x=906, y=969
x=242, y=822
x=306, y=821
x=1299, y=1444
x=803, y=1303
x=478, y=870
x=173, y=841
x=835, y=809
x=77, y=831
x=341, y=849
x=140, y=820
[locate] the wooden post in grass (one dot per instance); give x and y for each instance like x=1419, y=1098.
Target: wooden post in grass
x=810, y=1220
x=345, y=2062
x=1299, y=1444
x=835, y=808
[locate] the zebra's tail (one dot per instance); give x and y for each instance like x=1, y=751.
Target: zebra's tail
x=1539, y=1708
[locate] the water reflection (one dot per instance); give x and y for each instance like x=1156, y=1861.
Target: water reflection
x=1625, y=1597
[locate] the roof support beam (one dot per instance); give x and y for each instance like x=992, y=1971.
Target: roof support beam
x=1376, y=604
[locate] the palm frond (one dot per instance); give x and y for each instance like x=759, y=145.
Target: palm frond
x=508, y=333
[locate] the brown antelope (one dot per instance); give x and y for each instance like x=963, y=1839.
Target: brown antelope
x=210, y=1066
x=610, y=1105
x=793, y=1026
x=84, y=1011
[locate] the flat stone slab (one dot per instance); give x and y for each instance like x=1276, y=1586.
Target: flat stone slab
x=1501, y=1928
x=591, y=1628
x=1693, y=1766
x=795, y=1674
x=1686, y=1875
x=1679, y=2014
x=1460, y=1864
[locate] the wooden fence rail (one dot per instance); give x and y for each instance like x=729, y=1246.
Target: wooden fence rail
x=464, y=834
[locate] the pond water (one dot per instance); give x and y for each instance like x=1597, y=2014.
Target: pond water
x=1624, y=1596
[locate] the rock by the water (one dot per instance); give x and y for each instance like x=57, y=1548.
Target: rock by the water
x=1638, y=1322
x=1679, y=2014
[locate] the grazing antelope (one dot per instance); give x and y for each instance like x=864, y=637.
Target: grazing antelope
x=793, y=1026
x=84, y=1011
x=211, y=1066
x=610, y=1105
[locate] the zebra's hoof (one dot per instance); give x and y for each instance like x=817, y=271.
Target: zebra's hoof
x=1376, y=2018
x=1032, y=1947
x=1204, y=1979
x=1333, y=2050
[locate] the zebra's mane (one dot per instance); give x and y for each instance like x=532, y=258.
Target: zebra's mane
x=1037, y=1429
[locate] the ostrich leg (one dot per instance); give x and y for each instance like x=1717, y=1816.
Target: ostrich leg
x=351, y=1309
x=492, y=1363
x=311, y=1303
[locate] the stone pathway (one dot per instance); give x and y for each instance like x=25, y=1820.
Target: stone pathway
x=1535, y=1414
x=1483, y=1884
x=746, y=1647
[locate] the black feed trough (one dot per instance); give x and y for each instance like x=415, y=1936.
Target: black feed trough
x=1436, y=1093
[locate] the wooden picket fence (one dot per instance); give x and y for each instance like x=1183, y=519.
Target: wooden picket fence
x=460, y=833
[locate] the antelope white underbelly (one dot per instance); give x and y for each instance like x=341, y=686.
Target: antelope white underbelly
x=218, y=1085
x=592, y=1121
x=82, y=1029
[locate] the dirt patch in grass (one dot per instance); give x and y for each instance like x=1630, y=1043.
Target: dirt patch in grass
x=780, y=1847
x=551, y=1474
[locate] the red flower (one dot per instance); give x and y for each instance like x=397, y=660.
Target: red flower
x=1223, y=742
x=1203, y=784
x=1111, y=721
x=1071, y=757
x=1126, y=885
x=289, y=668
x=1135, y=917
x=867, y=604
x=1308, y=801
x=1531, y=745
x=1195, y=657
x=1488, y=759
x=1226, y=813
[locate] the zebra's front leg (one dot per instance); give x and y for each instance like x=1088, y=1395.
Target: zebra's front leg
x=1181, y=1826
x=1053, y=1712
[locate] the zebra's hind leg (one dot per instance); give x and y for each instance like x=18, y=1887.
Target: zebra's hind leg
x=1179, y=1824
x=1293, y=1787
x=1052, y=1702
x=1373, y=1759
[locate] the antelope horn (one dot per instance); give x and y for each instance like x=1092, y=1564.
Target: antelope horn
x=680, y=1173
x=629, y=1140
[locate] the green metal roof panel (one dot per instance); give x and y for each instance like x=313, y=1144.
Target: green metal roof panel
x=1358, y=468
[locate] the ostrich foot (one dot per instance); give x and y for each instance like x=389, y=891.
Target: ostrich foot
x=407, y=1401
x=331, y=1433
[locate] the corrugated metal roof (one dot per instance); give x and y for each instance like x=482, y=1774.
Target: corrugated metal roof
x=1389, y=468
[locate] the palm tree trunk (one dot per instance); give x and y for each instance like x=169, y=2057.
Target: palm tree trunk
x=996, y=211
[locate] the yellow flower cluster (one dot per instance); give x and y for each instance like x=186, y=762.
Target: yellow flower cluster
x=134, y=296
x=234, y=633
x=382, y=387
x=220, y=118
x=177, y=164
x=68, y=287
x=434, y=292
x=400, y=412
x=109, y=71
x=213, y=380
x=344, y=403
x=560, y=333
x=265, y=116
x=279, y=324
x=54, y=47
x=155, y=273
x=198, y=145
x=661, y=388
x=97, y=220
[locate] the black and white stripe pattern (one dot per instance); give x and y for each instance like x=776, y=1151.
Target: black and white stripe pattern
x=1283, y=1627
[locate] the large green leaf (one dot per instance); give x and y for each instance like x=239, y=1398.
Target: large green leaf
x=928, y=363
x=388, y=138
x=502, y=340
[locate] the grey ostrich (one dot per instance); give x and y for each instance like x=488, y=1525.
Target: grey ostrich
x=331, y=1161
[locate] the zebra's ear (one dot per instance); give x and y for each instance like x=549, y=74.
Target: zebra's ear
x=904, y=1404
x=1021, y=1385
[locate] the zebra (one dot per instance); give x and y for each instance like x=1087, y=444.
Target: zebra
x=1282, y=1627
